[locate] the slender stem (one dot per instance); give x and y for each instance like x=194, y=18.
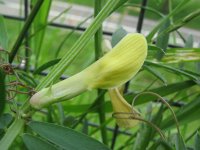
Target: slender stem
x=26, y=5
x=98, y=34
x=175, y=10
x=119, y=115
x=24, y=30
x=93, y=107
x=98, y=53
x=141, y=16
x=115, y=133
x=11, y=133
x=165, y=102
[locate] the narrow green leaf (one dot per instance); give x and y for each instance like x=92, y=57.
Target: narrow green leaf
x=11, y=133
x=175, y=70
x=197, y=141
x=39, y=22
x=29, y=80
x=146, y=132
x=173, y=12
x=46, y=65
x=2, y=91
x=69, y=35
x=48, y=23
x=150, y=9
x=120, y=3
x=162, y=91
x=182, y=22
x=162, y=41
x=155, y=48
x=5, y=120
x=3, y=34
x=24, y=30
x=33, y=143
x=185, y=115
x=118, y=35
x=157, y=144
x=156, y=74
x=189, y=42
x=65, y=138
x=179, y=143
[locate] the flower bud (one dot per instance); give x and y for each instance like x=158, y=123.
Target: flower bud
x=113, y=69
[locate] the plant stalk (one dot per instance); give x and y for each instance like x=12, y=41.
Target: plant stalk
x=98, y=54
x=11, y=133
x=24, y=30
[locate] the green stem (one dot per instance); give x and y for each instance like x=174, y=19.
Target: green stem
x=177, y=9
x=24, y=30
x=11, y=133
x=98, y=34
x=98, y=54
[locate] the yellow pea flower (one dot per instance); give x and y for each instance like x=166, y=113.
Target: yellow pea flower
x=113, y=69
x=123, y=111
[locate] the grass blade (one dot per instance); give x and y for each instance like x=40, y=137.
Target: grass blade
x=3, y=34
x=24, y=30
x=39, y=22
x=2, y=91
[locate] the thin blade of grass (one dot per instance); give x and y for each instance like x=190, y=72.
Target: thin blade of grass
x=40, y=21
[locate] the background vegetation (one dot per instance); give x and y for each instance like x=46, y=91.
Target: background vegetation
x=170, y=71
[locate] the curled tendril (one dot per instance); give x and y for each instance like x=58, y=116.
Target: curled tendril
x=7, y=68
x=163, y=101
x=124, y=115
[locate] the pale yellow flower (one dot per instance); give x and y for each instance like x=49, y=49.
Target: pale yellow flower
x=113, y=69
x=124, y=113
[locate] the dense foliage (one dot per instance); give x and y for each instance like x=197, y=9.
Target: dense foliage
x=162, y=99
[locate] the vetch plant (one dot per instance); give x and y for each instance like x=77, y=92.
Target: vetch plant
x=162, y=83
x=114, y=69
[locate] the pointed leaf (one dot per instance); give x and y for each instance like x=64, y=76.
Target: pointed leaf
x=3, y=34
x=33, y=143
x=179, y=143
x=156, y=74
x=162, y=41
x=5, y=120
x=162, y=91
x=66, y=137
x=117, y=36
x=185, y=115
x=46, y=65
x=197, y=142
x=2, y=91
